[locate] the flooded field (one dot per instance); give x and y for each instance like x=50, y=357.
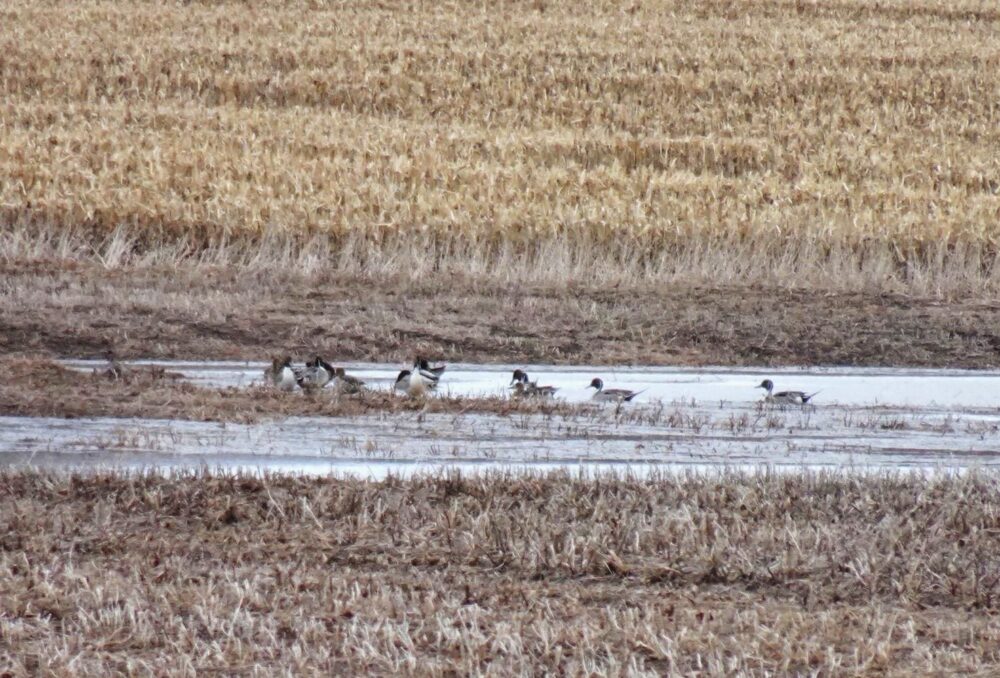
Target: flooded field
x=684, y=418
x=906, y=388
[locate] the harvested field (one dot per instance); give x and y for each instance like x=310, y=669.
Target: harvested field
x=822, y=145
x=730, y=573
x=683, y=182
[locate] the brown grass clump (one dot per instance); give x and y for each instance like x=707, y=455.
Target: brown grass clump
x=823, y=144
x=41, y=388
x=506, y=574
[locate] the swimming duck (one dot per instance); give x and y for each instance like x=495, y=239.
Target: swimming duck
x=280, y=374
x=611, y=395
x=523, y=387
x=784, y=397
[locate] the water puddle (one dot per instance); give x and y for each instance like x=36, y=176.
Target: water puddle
x=906, y=388
x=684, y=419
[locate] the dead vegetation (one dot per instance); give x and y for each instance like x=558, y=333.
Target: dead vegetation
x=822, y=145
x=811, y=573
x=43, y=388
x=668, y=182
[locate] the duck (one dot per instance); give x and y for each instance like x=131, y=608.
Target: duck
x=402, y=382
x=316, y=374
x=523, y=387
x=520, y=377
x=784, y=397
x=422, y=378
x=345, y=383
x=531, y=391
x=425, y=366
x=407, y=384
x=611, y=395
x=280, y=374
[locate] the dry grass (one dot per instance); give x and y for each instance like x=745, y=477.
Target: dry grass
x=42, y=388
x=816, y=144
x=813, y=574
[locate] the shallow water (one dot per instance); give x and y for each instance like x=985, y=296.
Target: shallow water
x=686, y=418
x=836, y=385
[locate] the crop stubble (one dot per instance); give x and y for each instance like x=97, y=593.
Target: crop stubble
x=733, y=573
x=806, y=143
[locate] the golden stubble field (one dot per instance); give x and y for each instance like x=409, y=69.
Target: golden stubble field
x=805, y=143
x=732, y=574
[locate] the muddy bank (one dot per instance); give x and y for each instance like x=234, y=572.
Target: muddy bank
x=43, y=388
x=48, y=308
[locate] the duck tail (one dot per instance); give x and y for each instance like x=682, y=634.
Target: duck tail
x=807, y=398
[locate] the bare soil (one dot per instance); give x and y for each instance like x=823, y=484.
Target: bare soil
x=811, y=574
x=51, y=309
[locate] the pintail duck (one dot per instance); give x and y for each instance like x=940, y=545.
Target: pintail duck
x=436, y=371
x=414, y=387
x=611, y=395
x=784, y=397
x=402, y=381
x=422, y=377
x=316, y=374
x=280, y=374
x=524, y=388
x=345, y=383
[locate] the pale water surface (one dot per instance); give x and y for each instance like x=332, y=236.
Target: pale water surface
x=684, y=419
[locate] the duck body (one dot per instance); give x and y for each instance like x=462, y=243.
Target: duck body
x=402, y=381
x=344, y=382
x=611, y=395
x=432, y=371
x=280, y=374
x=420, y=383
x=525, y=388
x=314, y=375
x=414, y=385
x=785, y=397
